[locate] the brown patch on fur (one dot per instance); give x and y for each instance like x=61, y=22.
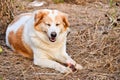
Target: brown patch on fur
x=16, y=41
x=38, y=20
x=64, y=17
x=39, y=16
x=65, y=20
x=45, y=21
x=18, y=17
x=37, y=28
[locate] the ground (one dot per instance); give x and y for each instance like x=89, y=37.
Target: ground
x=94, y=42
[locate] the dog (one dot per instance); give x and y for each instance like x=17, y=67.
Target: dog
x=41, y=35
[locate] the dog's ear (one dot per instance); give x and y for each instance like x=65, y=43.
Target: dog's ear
x=38, y=17
x=65, y=20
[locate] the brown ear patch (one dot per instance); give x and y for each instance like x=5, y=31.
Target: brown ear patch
x=39, y=16
x=65, y=20
x=38, y=19
x=16, y=41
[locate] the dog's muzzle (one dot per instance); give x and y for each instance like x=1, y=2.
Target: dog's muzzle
x=53, y=36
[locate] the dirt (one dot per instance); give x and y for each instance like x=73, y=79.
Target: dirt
x=94, y=42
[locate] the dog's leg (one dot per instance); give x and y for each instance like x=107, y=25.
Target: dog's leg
x=70, y=62
x=51, y=64
x=42, y=60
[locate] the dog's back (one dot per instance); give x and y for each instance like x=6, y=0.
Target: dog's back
x=14, y=34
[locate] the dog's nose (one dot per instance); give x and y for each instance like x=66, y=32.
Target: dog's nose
x=53, y=34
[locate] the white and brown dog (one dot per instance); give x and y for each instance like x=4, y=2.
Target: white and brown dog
x=41, y=35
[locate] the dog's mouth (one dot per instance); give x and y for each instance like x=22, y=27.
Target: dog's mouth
x=52, y=39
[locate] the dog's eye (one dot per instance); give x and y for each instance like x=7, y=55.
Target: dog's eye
x=57, y=24
x=48, y=24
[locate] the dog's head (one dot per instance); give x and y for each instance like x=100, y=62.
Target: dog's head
x=51, y=23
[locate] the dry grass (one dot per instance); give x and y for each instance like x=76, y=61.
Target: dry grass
x=58, y=1
x=84, y=2
x=6, y=14
x=8, y=10
x=94, y=42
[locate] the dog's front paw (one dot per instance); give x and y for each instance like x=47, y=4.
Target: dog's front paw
x=78, y=67
x=74, y=67
x=65, y=70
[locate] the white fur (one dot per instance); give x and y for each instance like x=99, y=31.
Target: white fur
x=53, y=28
x=46, y=53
